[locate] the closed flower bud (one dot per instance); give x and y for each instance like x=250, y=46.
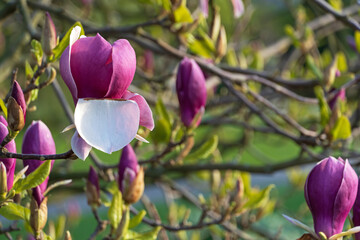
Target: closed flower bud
x=16, y=108
x=49, y=38
x=339, y=96
x=330, y=192
x=92, y=188
x=38, y=140
x=38, y=216
x=238, y=6
x=9, y=163
x=191, y=91
x=221, y=45
x=131, y=176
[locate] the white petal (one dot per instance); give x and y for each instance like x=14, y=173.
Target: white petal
x=107, y=124
x=79, y=146
x=74, y=35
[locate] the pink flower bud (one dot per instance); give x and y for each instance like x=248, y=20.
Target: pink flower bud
x=204, y=6
x=131, y=176
x=330, y=192
x=18, y=95
x=16, y=108
x=191, y=90
x=38, y=140
x=238, y=6
x=8, y=162
x=340, y=96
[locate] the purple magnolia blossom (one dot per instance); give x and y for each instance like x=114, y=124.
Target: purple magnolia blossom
x=330, y=192
x=128, y=167
x=97, y=73
x=11, y=147
x=356, y=212
x=38, y=140
x=191, y=91
x=340, y=95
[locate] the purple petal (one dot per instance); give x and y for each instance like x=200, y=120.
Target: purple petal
x=238, y=6
x=106, y=124
x=124, y=65
x=65, y=69
x=91, y=66
x=345, y=198
x=3, y=120
x=37, y=194
x=146, y=117
x=356, y=212
x=38, y=140
x=18, y=95
x=8, y=162
x=79, y=146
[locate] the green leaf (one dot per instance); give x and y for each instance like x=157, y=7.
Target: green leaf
x=161, y=132
x=33, y=179
x=37, y=51
x=13, y=211
x=150, y=235
x=136, y=220
x=60, y=226
x=357, y=40
x=342, y=129
x=182, y=15
x=29, y=72
x=341, y=62
x=104, y=199
x=162, y=111
x=59, y=49
x=325, y=111
x=311, y=64
x=259, y=198
x=3, y=107
x=166, y=4
x=342, y=79
x=336, y=4
x=115, y=210
x=202, y=46
x=231, y=58
x=205, y=150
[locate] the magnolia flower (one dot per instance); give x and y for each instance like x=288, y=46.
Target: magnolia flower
x=131, y=176
x=191, y=91
x=38, y=140
x=330, y=192
x=107, y=116
x=16, y=108
x=8, y=162
x=356, y=213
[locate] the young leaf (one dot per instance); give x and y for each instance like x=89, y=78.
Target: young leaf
x=37, y=51
x=205, y=150
x=182, y=15
x=136, y=220
x=29, y=72
x=59, y=49
x=34, y=179
x=3, y=107
x=150, y=235
x=341, y=63
x=115, y=210
x=324, y=107
x=13, y=211
x=342, y=129
x=258, y=199
x=315, y=70
x=357, y=40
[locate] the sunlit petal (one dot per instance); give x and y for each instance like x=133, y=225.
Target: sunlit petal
x=79, y=146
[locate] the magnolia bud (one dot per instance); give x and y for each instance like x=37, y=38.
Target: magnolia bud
x=131, y=176
x=38, y=140
x=92, y=188
x=238, y=6
x=38, y=215
x=49, y=39
x=330, y=192
x=191, y=91
x=15, y=119
x=3, y=181
x=221, y=45
x=9, y=163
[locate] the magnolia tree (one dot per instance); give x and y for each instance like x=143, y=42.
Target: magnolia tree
x=190, y=98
